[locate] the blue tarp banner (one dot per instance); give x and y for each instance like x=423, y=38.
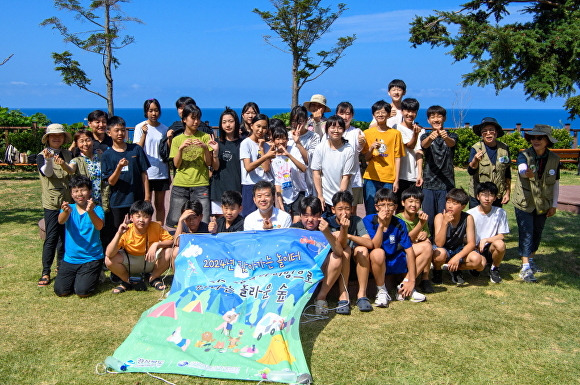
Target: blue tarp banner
x=233, y=310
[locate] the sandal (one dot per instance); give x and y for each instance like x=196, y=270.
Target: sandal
x=44, y=280
x=364, y=304
x=123, y=287
x=343, y=307
x=157, y=284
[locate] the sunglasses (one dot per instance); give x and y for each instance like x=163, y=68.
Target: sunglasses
x=536, y=137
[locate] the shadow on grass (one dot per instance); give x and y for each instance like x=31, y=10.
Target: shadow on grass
x=19, y=216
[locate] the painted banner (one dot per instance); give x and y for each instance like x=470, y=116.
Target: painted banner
x=233, y=310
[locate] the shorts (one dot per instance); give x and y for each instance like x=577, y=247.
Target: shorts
x=136, y=264
x=397, y=263
x=452, y=253
x=294, y=207
x=159, y=184
x=357, y=194
x=216, y=208
x=487, y=253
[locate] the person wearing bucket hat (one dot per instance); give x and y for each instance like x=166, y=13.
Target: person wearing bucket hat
x=535, y=195
x=317, y=107
x=54, y=181
x=489, y=161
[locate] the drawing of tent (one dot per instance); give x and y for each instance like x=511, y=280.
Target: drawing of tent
x=164, y=310
x=277, y=351
x=194, y=306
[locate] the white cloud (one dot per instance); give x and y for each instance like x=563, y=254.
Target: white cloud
x=15, y=83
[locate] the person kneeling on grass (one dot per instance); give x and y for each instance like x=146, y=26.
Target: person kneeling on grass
x=83, y=253
x=142, y=246
x=311, y=219
x=451, y=228
x=389, y=234
x=490, y=226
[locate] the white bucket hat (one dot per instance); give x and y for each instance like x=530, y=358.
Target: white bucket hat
x=56, y=128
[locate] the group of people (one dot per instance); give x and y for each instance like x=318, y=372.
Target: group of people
x=101, y=194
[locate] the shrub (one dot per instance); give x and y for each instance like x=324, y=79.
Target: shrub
x=563, y=137
x=515, y=143
x=285, y=117
x=466, y=139
x=15, y=118
x=27, y=141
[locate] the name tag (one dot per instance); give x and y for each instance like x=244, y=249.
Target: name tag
x=125, y=168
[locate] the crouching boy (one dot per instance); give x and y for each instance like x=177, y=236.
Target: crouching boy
x=139, y=247
x=83, y=253
x=452, y=227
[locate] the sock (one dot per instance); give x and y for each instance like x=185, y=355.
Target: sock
x=494, y=267
x=383, y=288
x=525, y=266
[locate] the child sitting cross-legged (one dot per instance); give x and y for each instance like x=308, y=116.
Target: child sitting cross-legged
x=142, y=246
x=83, y=253
x=393, y=252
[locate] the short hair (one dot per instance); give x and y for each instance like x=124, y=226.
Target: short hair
x=410, y=104
x=458, y=195
x=412, y=192
x=233, y=114
x=488, y=187
x=342, y=196
x=193, y=205
x=278, y=131
x=190, y=109
x=385, y=194
x=82, y=132
x=436, y=110
x=183, y=101
x=334, y=120
x=148, y=104
x=80, y=181
x=116, y=121
x=380, y=105
x=397, y=83
x=344, y=106
x=96, y=115
x=298, y=114
x=141, y=207
x=231, y=198
x=312, y=202
x=264, y=184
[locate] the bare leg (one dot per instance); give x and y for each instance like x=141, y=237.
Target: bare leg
x=363, y=266
x=159, y=197
x=331, y=268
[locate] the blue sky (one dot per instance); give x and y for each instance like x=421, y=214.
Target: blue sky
x=215, y=52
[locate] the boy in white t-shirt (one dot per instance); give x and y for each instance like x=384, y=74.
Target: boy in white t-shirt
x=490, y=226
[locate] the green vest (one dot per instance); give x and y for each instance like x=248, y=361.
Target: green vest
x=55, y=188
x=489, y=172
x=536, y=194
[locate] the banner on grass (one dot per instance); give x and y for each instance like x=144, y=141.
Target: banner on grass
x=233, y=310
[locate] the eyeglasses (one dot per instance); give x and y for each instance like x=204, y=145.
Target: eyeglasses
x=536, y=137
x=387, y=205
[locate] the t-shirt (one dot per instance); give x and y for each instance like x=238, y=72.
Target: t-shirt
x=333, y=163
x=309, y=141
x=238, y=225
x=408, y=170
x=438, y=173
x=286, y=175
x=394, y=236
x=356, y=227
x=280, y=220
x=129, y=187
x=201, y=229
x=228, y=177
x=351, y=134
x=490, y=224
x=192, y=172
x=138, y=244
x=411, y=224
x=158, y=169
x=82, y=239
x=381, y=167
x=251, y=150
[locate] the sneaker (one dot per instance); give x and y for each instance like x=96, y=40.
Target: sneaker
x=426, y=286
x=445, y=267
x=528, y=275
x=383, y=299
x=321, y=307
x=534, y=267
x=494, y=276
x=437, y=277
x=457, y=278
x=417, y=297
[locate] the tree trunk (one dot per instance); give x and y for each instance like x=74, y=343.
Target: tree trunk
x=108, y=58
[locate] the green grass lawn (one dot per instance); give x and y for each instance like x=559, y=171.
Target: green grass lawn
x=511, y=333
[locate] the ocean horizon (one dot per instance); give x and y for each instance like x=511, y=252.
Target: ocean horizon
x=508, y=118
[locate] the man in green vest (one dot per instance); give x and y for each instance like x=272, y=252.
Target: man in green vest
x=489, y=161
x=535, y=195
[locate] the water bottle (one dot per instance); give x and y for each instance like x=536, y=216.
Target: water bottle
x=115, y=364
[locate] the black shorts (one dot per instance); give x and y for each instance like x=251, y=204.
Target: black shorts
x=487, y=253
x=159, y=184
x=294, y=207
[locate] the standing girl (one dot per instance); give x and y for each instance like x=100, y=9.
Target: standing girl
x=249, y=111
x=228, y=175
x=148, y=134
x=192, y=153
x=255, y=157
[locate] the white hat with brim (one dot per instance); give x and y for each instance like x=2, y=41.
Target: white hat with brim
x=320, y=99
x=56, y=128
x=541, y=129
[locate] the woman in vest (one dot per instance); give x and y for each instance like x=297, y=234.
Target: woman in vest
x=535, y=196
x=489, y=161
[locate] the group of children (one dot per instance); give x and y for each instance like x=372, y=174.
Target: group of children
x=260, y=175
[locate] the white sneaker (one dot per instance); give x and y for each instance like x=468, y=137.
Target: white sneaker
x=417, y=297
x=321, y=307
x=383, y=299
